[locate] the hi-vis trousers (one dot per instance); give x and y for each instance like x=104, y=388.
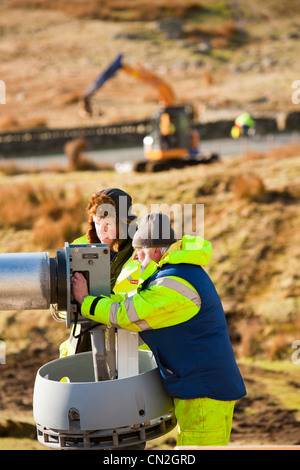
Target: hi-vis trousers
x=203, y=421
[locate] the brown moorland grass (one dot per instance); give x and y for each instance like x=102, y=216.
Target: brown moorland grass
x=58, y=54
x=52, y=215
x=122, y=10
x=118, y=10
x=254, y=266
x=289, y=150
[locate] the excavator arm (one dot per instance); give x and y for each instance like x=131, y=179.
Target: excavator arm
x=173, y=143
x=166, y=94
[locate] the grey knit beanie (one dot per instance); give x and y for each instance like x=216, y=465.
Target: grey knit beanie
x=154, y=230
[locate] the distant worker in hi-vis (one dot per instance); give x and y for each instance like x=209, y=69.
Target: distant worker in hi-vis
x=243, y=126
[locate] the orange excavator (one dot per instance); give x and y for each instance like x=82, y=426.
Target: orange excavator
x=173, y=143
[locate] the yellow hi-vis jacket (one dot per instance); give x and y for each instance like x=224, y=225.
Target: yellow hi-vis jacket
x=168, y=302
x=179, y=315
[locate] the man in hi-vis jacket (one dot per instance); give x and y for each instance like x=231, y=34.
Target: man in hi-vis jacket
x=179, y=315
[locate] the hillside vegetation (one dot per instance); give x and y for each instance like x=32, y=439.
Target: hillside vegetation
x=251, y=215
x=223, y=56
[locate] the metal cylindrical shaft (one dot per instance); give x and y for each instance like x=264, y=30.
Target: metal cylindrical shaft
x=25, y=281
x=99, y=354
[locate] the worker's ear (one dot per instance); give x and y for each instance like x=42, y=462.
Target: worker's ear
x=157, y=254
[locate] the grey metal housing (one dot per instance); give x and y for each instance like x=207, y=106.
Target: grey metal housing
x=89, y=411
x=24, y=281
x=107, y=414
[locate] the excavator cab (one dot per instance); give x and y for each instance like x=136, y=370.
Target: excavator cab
x=171, y=136
x=172, y=141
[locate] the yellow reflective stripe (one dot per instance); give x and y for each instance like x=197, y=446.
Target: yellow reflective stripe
x=163, y=307
x=113, y=314
x=133, y=316
x=179, y=287
x=168, y=301
x=131, y=313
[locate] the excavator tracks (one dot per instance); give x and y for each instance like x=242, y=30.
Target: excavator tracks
x=154, y=166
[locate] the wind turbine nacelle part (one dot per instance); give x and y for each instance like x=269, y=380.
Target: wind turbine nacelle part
x=25, y=281
x=74, y=406
x=83, y=414
x=34, y=281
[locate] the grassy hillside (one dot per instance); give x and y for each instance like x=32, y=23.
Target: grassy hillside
x=224, y=57
x=251, y=210
x=251, y=216
x=229, y=56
